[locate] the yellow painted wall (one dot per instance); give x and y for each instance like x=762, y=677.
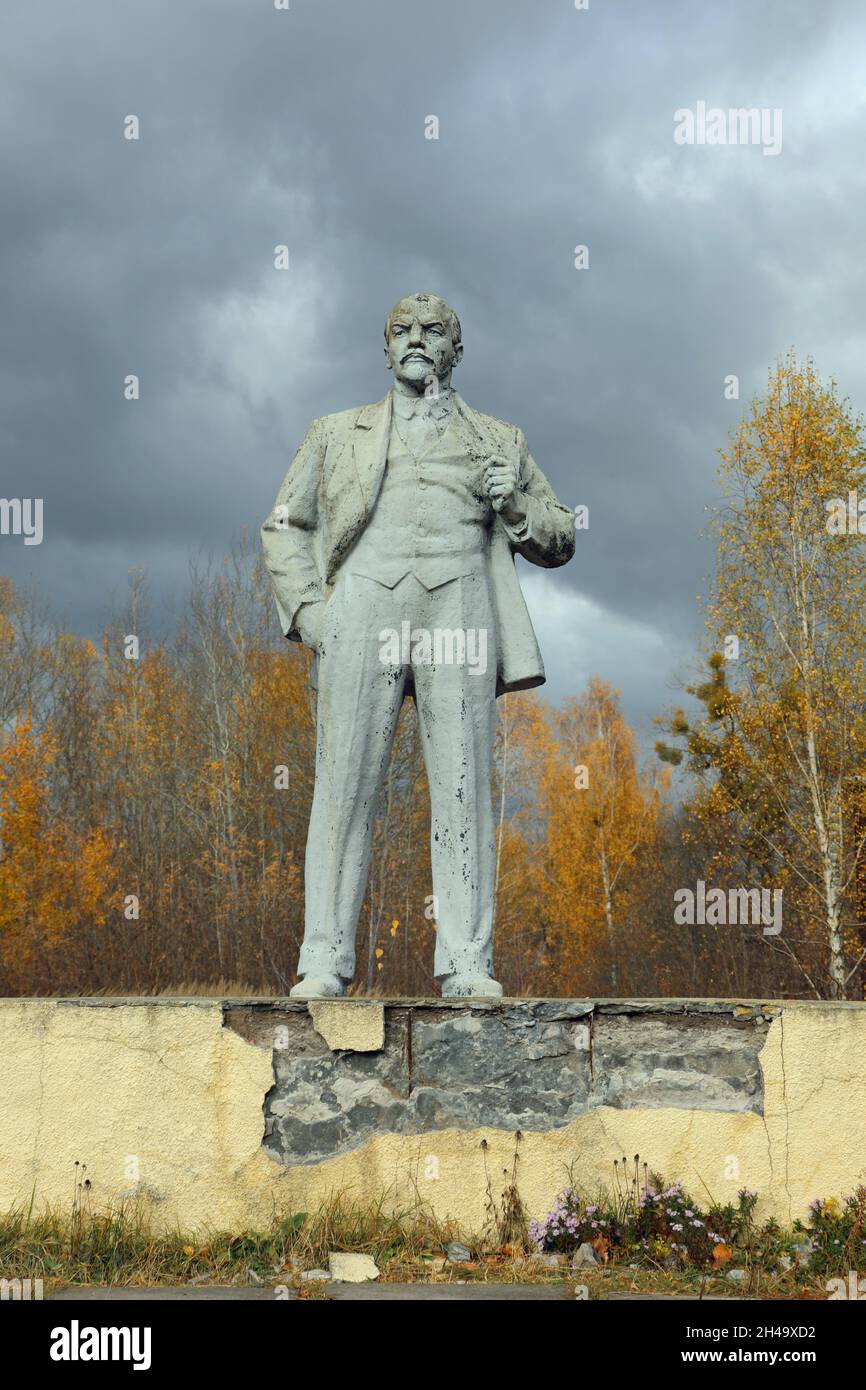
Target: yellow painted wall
x=161, y=1090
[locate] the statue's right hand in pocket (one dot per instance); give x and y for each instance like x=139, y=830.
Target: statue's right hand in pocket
x=309, y=620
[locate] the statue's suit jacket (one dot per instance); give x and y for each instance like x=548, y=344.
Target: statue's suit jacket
x=330, y=492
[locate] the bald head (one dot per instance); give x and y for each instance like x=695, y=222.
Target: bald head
x=422, y=343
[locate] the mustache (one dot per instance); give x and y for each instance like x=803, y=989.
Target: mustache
x=416, y=353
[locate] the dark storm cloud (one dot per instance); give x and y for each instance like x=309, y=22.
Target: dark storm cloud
x=307, y=127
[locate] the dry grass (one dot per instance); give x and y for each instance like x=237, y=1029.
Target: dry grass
x=119, y=1248
x=218, y=989
x=214, y=989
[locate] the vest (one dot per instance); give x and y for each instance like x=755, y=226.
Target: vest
x=431, y=517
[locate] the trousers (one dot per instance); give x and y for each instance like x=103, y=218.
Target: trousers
x=373, y=638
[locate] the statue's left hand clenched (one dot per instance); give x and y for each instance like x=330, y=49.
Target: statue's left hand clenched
x=500, y=484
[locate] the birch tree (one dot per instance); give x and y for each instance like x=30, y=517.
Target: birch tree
x=784, y=747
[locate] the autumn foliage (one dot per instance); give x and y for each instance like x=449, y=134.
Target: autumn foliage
x=53, y=878
x=155, y=793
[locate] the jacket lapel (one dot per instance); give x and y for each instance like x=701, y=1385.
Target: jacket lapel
x=479, y=425
x=370, y=437
x=487, y=444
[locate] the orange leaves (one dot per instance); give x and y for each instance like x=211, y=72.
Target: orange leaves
x=599, y=826
x=602, y=1247
x=50, y=878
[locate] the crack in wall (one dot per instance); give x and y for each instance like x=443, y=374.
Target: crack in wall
x=786, y=1109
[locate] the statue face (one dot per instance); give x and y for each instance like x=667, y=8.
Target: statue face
x=419, y=344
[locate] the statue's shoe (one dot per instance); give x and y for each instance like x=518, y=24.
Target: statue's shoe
x=471, y=987
x=318, y=987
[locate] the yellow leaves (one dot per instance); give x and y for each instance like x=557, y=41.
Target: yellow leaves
x=595, y=835
x=795, y=445
x=51, y=879
x=394, y=926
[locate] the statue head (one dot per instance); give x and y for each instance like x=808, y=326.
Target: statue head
x=422, y=341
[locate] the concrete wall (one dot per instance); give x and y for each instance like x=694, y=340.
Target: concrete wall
x=220, y=1113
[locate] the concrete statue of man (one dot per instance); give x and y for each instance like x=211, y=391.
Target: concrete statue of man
x=391, y=548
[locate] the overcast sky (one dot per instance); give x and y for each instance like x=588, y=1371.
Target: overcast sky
x=307, y=127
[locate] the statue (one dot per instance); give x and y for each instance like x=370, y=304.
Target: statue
x=390, y=547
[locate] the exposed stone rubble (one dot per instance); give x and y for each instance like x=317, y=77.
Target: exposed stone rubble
x=409, y=1068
